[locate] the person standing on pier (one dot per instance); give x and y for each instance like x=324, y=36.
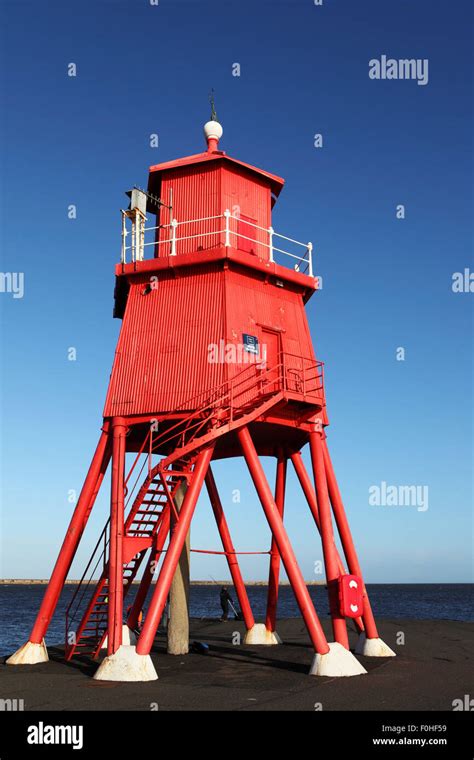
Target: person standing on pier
x=225, y=598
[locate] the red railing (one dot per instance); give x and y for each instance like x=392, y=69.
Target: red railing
x=233, y=398
x=224, y=403
x=75, y=609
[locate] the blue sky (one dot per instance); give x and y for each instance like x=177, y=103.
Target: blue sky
x=387, y=282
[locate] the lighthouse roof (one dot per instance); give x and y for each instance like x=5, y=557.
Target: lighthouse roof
x=276, y=183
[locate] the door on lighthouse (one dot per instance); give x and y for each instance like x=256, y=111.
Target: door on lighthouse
x=246, y=234
x=270, y=359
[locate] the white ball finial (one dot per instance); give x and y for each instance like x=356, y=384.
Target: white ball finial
x=212, y=132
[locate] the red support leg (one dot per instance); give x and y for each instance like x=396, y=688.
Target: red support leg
x=115, y=603
x=346, y=539
x=147, y=577
x=310, y=495
x=157, y=604
x=73, y=536
x=274, y=573
x=275, y=522
x=327, y=536
x=305, y=483
x=228, y=546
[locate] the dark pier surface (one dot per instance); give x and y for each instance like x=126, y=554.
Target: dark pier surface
x=434, y=667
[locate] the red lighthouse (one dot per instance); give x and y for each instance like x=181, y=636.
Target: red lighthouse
x=214, y=360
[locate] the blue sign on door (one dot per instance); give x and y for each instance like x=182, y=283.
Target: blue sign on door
x=250, y=343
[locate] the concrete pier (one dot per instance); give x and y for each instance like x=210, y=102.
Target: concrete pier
x=432, y=669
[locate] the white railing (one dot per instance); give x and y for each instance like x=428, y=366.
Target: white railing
x=229, y=232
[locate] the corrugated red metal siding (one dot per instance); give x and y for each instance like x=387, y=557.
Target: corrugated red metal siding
x=203, y=191
x=162, y=353
x=196, y=192
x=253, y=305
x=243, y=193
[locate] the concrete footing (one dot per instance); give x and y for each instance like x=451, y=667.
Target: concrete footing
x=373, y=647
x=260, y=635
x=128, y=637
x=126, y=665
x=29, y=654
x=337, y=662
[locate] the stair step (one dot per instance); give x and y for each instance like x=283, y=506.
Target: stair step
x=142, y=528
x=90, y=638
x=149, y=513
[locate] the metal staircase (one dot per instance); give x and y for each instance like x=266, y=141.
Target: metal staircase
x=238, y=402
x=235, y=403
x=86, y=623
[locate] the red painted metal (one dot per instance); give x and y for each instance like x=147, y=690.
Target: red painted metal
x=163, y=349
x=275, y=522
x=150, y=569
x=181, y=354
x=305, y=284
x=310, y=495
x=327, y=535
x=148, y=514
x=133, y=545
x=224, y=553
x=115, y=602
x=306, y=485
x=195, y=192
x=275, y=183
x=346, y=540
x=226, y=539
x=246, y=234
x=158, y=601
x=74, y=533
x=351, y=595
x=249, y=198
x=274, y=573
x=182, y=361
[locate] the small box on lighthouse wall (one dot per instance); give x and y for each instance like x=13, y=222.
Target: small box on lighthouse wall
x=138, y=200
x=351, y=595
